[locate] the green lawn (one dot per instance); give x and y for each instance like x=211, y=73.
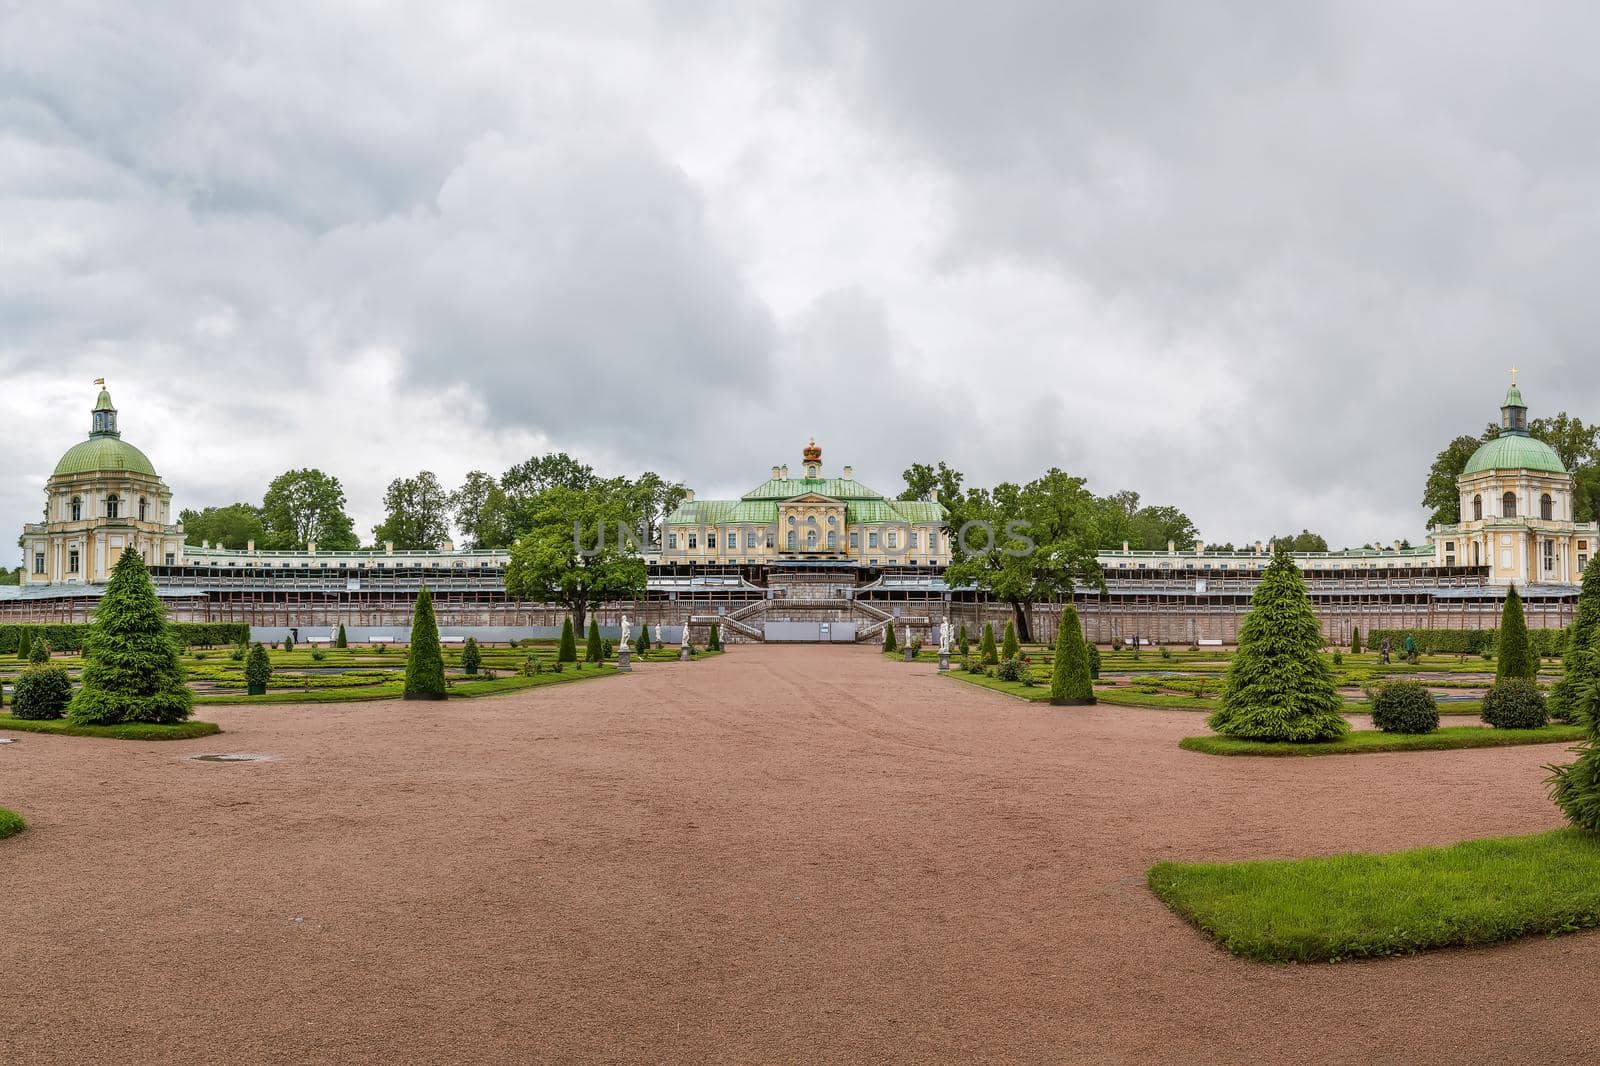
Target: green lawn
x=1040, y=690
x=11, y=823
x=459, y=687
x=126, y=731
x=1367, y=906
x=1370, y=740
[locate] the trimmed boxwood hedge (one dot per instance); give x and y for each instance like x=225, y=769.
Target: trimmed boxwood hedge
x=1546, y=643
x=68, y=637
x=1515, y=703
x=1405, y=707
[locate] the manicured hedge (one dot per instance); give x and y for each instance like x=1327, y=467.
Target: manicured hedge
x=1545, y=642
x=68, y=637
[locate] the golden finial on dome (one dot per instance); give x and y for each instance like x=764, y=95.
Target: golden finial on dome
x=812, y=453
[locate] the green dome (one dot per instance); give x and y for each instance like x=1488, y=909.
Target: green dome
x=1513, y=451
x=103, y=453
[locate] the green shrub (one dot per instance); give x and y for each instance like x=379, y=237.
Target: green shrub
x=380, y=649
x=258, y=668
x=1580, y=655
x=1010, y=669
x=715, y=641
x=318, y=655
x=424, y=660
x=986, y=649
x=288, y=644
x=39, y=653
x=972, y=664
x=1009, y=648
x=237, y=655
x=1070, y=680
x=1166, y=652
x=24, y=642
x=1405, y=707
x=339, y=638
x=1515, y=703
x=1515, y=654
x=1355, y=641
x=41, y=692
x=568, y=651
x=1338, y=658
x=888, y=637
x=593, y=650
x=531, y=666
x=916, y=648
x=131, y=671
x=607, y=649
x=557, y=666
x=961, y=641
x=1094, y=663
x=470, y=658
x=1278, y=687
x=69, y=636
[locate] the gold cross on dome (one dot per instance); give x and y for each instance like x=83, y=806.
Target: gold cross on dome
x=1513, y=376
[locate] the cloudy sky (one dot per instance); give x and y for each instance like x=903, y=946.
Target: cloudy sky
x=1256, y=260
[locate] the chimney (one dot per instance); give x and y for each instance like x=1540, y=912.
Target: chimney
x=785, y=469
x=1259, y=547
x=776, y=473
x=250, y=546
x=388, y=547
x=934, y=495
x=1396, y=545
x=205, y=544
x=1172, y=547
x=849, y=472
x=311, y=547
x=1199, y=547
x=448, y=547
x=688, y=496
x=1124, y=547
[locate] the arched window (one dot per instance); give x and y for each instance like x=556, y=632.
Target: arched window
x=1477, y=508
x=113, y=505
x=1547, y=507
x=77, y=508
x=142, y=508
x=811, y=540
x=1508, y=505
x=833, y=540
x=793, y=540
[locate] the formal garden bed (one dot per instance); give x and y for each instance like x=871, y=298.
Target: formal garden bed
x=1368, y=741
x=1366, y=906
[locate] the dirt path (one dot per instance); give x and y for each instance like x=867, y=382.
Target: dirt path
x=785, y=854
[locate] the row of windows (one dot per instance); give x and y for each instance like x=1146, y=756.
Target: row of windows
x=113, y=508
x=73, y=561
x=1508, y=507
x=812, y=540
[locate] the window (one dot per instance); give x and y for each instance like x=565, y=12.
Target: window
x=933, y=541
x=113, y=505
x=672, y=541
x=172, y=559
x=694, y=541
x=38, y=562
x=1477, y=508
x=833, y=520
x=1508, y=505
x=1549, y=554
x=1547, y=507
x=855, y=538
x=711, y=538
x=911, y=539
x=894, y=539
x=72, y=561
x=772, y=538
x=750, y=539
x=872, y=539
x=142, y=508
x=793, y=541
x=1583, y=561
x=833, y=540
x=811, y=540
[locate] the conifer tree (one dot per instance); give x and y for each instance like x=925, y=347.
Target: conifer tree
x=1278, y=687
x=1575, y=787
x=568, y=651
x=594, y=650
x=1514, y=656
x=714, y=643
x=1355, y=641
x=24, y=642
x=888, y=637
x=470, y=658
x=961, y=641
x=340, y=640
x=424, y=660
x=986, y=650
x=257, y=668
x=1580, y=666
x=1069, y=680
x=39, y=654
x=1010, y=649
x=130, y=661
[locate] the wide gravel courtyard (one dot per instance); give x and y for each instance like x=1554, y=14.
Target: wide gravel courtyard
x=792, y=854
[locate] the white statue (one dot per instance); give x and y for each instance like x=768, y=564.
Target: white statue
x=944, y=636
x=907, y=643
x=685, y=634
x=627, y=629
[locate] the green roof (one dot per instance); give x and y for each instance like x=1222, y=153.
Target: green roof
x=1515, y=451
x=103, y=452
x=103, y=401
x=759, y=506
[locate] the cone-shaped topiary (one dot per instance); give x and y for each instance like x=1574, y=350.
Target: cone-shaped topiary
x=1069, y=681
x=1514, y=655
x=1094, y=663
x=257, y=670
x=1580, y=665
x=424, y=661
x=470, y=659
x=1278, y=687
x=24, y=643
x=888, y=636
x=288, y=643
x=986, y=648
x=961, y=641
x=714, y=643
x=39, y=654
x=568, y=651
x=1355, y=641
x=339, y=640
x=593, y=650
x=130, y=661
x=1009, y=648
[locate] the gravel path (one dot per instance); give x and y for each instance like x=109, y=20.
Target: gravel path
x=785, y=854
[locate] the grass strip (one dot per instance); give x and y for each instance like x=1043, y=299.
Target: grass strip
x=459, y=688
x=1366, y=741
x=123, y=731
x=1369, y=906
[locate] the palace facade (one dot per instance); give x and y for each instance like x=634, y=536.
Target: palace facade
x=810, y=558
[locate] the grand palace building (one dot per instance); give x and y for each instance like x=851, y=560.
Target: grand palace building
x=820, y=556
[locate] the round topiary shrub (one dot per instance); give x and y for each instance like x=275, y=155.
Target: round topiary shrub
x=42, y=692
x=1010, y=669
x=1405, y=707
x=1515, y=703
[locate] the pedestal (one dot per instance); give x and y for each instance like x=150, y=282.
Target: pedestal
x=944, y=661
x=683, y=655
x=905, y=656
x=623, y=665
